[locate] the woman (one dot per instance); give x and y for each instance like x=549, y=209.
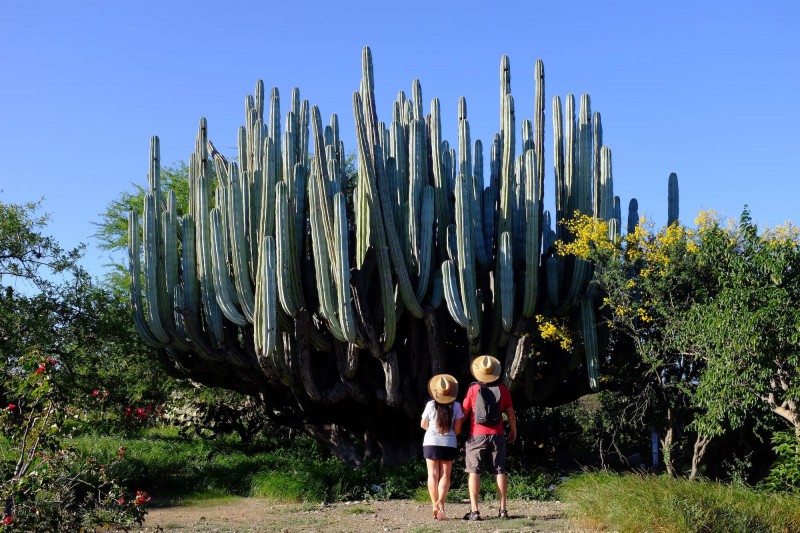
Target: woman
x=441, y=420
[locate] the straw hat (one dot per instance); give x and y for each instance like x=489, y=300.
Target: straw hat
x=485, y=368
x=443, y=388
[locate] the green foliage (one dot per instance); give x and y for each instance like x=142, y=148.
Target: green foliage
x=209, y=412
x=785, y=472
x=283, y=467
x=633, y=503
x=749, y=333
x=45, y=485
x=24, y=251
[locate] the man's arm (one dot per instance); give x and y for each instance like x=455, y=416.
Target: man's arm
x=512, y=424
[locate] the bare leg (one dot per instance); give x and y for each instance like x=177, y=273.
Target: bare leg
x=444, y=485
x=433, y=480
x=502, y=489
x=474, y=490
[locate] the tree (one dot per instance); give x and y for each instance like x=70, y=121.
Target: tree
x=650, y=280
x=749, y=333
x=53, y=332
x=112, y=227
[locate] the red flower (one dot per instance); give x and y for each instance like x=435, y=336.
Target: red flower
x=149, y=407
x=51, y=360
x=141, y=497
x=121, y=452
x=11, y=407
x=121, y=501
x=7, y=520
x=95, y=392
x=40, y=369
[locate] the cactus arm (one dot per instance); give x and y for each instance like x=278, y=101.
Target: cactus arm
x=598, y=200
x=154, y=269
x=506, y=281
x=135, y=274
x=538, y=131
x=590, y=343
x=224, y=290
x=532, y=232
x=283, y=240
x=451, y=294
x=201, y=176
x=416, y=181
x=481, y=255
x=466, y=260
x=633, y=215
x=426, y=242
x=345, y=308
x=367, y=182
x=322, y=267
x=171, y=264
x=241, y=270
x=672, y=197
x=439, y=178
x=388, y=233
x=265, y=323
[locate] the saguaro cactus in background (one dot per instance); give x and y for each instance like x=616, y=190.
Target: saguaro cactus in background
x=283, y=282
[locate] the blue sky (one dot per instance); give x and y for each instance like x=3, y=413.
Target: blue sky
x=705, y=89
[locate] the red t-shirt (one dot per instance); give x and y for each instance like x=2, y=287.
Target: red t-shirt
x=469, y=403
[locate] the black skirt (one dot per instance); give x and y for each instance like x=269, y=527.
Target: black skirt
x=439, y=453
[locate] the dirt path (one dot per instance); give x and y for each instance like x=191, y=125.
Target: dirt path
x=254, y=515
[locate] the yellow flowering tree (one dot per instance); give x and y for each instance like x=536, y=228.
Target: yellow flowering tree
x=648, y=279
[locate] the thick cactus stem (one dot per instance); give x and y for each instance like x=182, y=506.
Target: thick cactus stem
x=672, y=203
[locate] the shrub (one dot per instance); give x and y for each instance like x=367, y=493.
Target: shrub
x=785, y=472
x=648, y=503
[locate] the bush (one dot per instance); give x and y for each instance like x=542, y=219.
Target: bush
x=650, y=503
x=785, y=472
x=46, y=485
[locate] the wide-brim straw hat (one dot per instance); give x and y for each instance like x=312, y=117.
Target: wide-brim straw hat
x=443, y=388
x=485, y=368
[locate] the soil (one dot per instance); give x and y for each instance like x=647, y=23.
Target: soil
x=256, y=515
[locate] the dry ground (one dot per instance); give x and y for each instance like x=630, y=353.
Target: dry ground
x=255, y=515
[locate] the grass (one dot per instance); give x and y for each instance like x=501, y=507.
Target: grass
x=629, y=503
x=164, y=464
x=174, y=468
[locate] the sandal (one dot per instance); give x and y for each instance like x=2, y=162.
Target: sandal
x=473, y=516
x=502, y=514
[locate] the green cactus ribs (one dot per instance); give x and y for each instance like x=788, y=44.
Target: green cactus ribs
x=333, y=291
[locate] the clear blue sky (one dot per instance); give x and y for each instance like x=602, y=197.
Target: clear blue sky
x=705, y=89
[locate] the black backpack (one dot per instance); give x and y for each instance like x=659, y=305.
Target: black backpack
x=487, y=408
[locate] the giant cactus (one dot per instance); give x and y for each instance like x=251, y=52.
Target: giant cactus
x=331, y=310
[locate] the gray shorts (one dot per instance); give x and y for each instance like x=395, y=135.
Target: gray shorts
x=486, y=453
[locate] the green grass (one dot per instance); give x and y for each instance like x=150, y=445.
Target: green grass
x=164, y=464
x=629, y=503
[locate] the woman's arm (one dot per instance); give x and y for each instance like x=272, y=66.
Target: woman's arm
x=424, y=424
x=457, y=425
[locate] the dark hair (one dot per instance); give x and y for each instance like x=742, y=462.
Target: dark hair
x=444, y=416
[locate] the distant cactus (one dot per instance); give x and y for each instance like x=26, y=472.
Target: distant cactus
x=330, y=310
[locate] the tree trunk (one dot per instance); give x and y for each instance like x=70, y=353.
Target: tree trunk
x=699, y=451
x=667, y=442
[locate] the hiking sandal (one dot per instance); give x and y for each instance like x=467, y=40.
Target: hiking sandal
x=502, y=514
x=473, y=516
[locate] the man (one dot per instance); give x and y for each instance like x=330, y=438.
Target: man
x=486, y=444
